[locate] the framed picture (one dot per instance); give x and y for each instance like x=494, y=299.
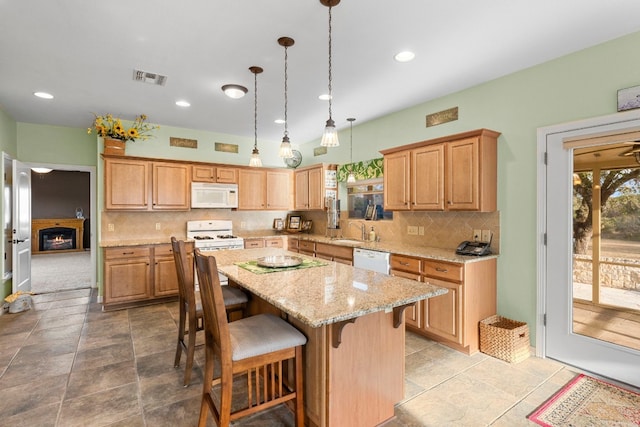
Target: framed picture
x=278, y=224
x=370, y=213
x=294, y=222
x=629, y=98
x=306, y=225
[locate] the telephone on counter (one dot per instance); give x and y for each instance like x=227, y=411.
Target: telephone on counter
x=474, y=248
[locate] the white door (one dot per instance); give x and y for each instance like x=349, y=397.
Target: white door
x=21, y=241
x=561, y=342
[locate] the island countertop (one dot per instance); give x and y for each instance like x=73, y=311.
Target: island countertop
x=325, y=294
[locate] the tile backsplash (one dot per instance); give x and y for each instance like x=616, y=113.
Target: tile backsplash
x=441, y=229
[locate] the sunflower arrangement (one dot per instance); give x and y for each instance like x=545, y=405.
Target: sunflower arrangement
x=108, y=126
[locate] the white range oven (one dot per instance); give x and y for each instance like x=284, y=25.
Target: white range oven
x=214, y=235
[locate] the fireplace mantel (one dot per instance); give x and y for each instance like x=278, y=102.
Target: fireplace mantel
x=42, y=224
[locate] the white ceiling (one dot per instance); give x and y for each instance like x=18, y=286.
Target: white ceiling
x=84, y=53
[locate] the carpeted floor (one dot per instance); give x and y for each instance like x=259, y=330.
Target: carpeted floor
x=587, y=401
x=60, y=271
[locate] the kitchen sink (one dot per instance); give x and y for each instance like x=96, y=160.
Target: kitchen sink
x=345, y=241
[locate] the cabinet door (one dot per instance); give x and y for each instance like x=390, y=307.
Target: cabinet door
x=396, y=181
x=171, y=186
x=251, y=189
x=427, y=178
x=301, y=193
x=278, y=190
x=316, y=188
x=443, y=314
x=226, y=175
x=413, y=315
x=126, y=280
x=165, y=277
x=203, y=173
x=126, y=184
x=462, y=175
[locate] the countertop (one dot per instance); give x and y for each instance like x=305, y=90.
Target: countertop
x=323, y=295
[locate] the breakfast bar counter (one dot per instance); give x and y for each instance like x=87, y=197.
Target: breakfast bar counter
x=354, y=323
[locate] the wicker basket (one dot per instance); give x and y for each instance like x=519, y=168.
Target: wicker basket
x=504, y=338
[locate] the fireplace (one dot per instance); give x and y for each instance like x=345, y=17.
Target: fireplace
x=51, y=235
x=57, y=239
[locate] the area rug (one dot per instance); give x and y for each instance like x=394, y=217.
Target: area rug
x=586, y=401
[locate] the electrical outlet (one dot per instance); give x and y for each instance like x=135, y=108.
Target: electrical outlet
x=243, y=225
x=486, y=235
x=421, y=230
x=110, y=227
x=157, y=226
x=477, y=234
x=412, y=230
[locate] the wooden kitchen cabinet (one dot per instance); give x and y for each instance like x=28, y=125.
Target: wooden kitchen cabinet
x=211, y=173
x=253, y=243
x=140, y=274
x=307, y=247
x=409, y=268
x=341, y=254
x=454, y=173
x=310, y=188
x=267, y=242
x=141, y=185
x=264, y=189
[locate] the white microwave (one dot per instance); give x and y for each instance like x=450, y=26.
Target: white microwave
x=214, y=195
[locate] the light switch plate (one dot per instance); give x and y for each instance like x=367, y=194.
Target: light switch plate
x=477, y=235
x=412, y=230
x=486, y=235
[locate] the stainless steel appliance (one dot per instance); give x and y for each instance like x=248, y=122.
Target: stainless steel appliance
x=371, y=260
x=214, y=235
x=214, y=195
x=333, y=214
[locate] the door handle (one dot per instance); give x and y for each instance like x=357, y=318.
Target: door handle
x=17, y=241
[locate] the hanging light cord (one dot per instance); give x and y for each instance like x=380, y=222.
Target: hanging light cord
x=286, y=121
x=255, y=111
x=351, y=144
x=330, y=92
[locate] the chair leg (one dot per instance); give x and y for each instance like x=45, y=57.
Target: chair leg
x=181, y=326
x=299, y=389
x=191, y=346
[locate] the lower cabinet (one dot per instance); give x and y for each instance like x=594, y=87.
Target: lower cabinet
x=452, y=318
x=140, y=274
x=336, y=253
x=266, y=242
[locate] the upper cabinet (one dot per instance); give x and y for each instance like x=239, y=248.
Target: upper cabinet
x=210, y=173
x=265, y=189
x=312, y=185
x=142, y=185
x=454, y=173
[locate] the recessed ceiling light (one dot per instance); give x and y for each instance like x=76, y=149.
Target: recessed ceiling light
x=183, y=104
x=43, y=95
x=279, y=121
x=405, y=56
x=324, y=97
x=234, y=91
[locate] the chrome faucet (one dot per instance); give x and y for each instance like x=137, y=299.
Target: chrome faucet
x=363, y=229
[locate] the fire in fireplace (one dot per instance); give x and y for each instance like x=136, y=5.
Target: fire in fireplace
x=57, y=238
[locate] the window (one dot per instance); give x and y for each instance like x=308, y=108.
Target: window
x=365, y=193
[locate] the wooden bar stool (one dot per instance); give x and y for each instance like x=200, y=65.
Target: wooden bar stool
x=191, y=306
x=257, y=347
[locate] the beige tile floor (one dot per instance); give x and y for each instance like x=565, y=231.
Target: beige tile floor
x=66, y=363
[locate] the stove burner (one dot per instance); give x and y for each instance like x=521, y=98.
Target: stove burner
x=202, y=237
x=226, y=236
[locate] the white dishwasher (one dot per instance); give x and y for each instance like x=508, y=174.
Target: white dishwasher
x=371, y=260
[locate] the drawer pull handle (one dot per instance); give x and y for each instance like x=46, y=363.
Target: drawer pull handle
x=404, y=263
x=442, y=270
x=127, y=253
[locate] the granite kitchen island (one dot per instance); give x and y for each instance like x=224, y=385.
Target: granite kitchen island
x=353, y=319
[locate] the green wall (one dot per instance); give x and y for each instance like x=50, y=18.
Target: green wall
x=581, y=85
x=577, y=86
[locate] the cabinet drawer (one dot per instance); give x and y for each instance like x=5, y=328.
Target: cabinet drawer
x=273, y=243
x=406, y=275
x=127, y=252
x=400, y=262
x=166, y=249
x=254, y=243
x=292, y=244
x=334, y=251
x=307, y=246
x=443, y=270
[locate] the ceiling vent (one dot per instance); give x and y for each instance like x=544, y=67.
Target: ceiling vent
x=147, y=77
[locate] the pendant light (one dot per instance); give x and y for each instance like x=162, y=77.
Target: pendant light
x=285, y=147
x=330, y=135
x=255, y=155
x=351, y=178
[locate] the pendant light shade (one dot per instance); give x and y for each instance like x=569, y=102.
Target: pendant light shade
x=255, y=154
x=351, y=178
x=285, y=147
x=330, y=135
